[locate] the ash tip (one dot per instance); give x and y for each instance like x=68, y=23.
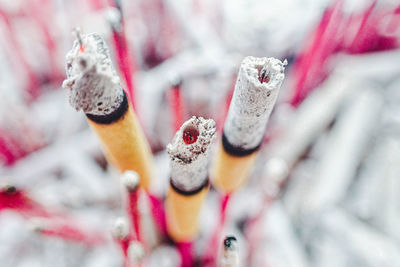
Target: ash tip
x=114, y=18
x=264, y=71
x=193, y=138
x=230, y=243
x=136, y=251
x=92, y=81
x=9, y=189
x=130, y=179
x=175, y=80
x=120, y=228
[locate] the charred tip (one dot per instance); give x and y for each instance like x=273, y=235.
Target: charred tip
x=230, y=242
x=9, y=189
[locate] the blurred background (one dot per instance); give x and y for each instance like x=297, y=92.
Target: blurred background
x=325, y=189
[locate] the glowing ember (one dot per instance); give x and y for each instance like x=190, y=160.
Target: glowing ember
x=264, y=76
x=190, y=135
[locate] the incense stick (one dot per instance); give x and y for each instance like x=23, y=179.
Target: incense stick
x=254, y=97
x=95, y=88
x=189, y=152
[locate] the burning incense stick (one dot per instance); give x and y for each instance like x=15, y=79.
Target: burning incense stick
x=189, y=179
x=230, y=254
x=189, y=152
x=254, y=97
x=256, y=91
x=95, y=88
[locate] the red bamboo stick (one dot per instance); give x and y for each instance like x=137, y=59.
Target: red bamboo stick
x=130, y=180
x=33, y=89
x=68, y=231
x=125, y=65
x=176, y=103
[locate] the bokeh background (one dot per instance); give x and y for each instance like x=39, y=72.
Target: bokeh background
x=325, y=189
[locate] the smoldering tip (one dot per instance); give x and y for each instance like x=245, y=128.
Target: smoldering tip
x=230, y=242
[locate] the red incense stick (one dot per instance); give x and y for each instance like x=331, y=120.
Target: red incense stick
x=124, y=62
x=69, y=231
x=310, y=69
x=19, y=201
x=185, y=249
x=32, y=89
x=54, y=223
x=157, y=209
x=177, y=105
x=135, y=214
x=210, y=255
x=42, y=14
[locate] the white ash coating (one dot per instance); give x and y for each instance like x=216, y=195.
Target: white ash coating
x=230, y=255
x=120, y=230
x=253, y=101
x=91, y=78
x=130, y=179
x=189, y=162
x=114, y=17
x=136, y=252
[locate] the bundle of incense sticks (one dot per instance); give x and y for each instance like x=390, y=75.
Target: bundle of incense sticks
x=191, y=148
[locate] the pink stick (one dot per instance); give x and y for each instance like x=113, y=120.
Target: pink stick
x=124, y=62
x=11, y=198
x=124, y=245
x=210, y=256
x=33, y=82
x=185, y=249
x=134, y=213
x=58, y=224
x=178, y=108
x=157, y=209
x=309, y=69
x=68, y=230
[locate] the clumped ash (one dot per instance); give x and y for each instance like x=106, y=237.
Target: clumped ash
x=92, y=81
x=189, y=162
x=254, y=97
